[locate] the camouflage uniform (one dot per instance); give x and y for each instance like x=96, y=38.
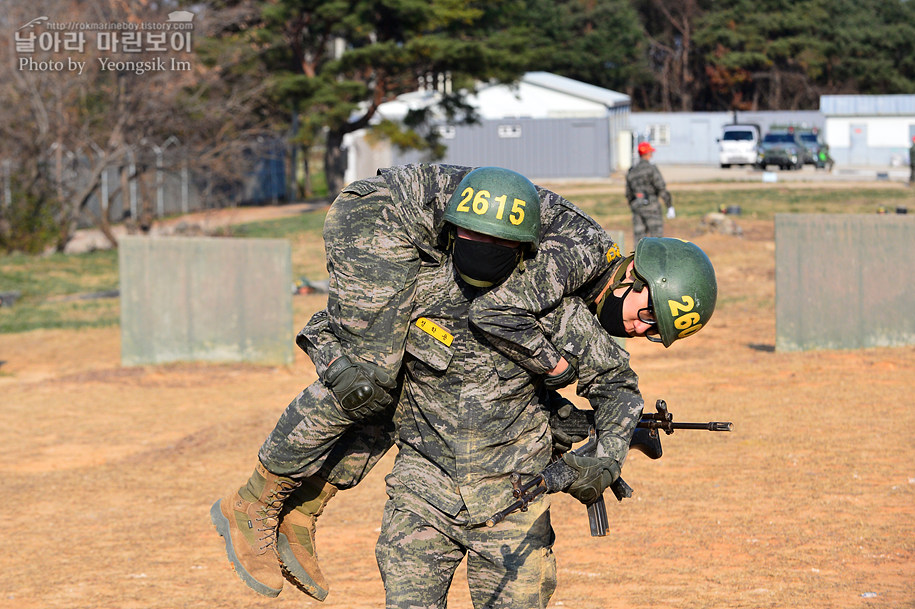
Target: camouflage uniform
x=378, y=234
x=381, y=234
x=468, y=418
x=575, y=253
x=644, y=188
x=456, y=449
x=380, y=230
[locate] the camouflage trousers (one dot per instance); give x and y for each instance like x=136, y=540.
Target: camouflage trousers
x=510, y=565
x=372, y=267
x=647, y=221
x=313, y=436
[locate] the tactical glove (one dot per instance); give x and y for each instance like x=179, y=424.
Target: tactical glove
x=560, y=410
x=594, y=475
x=558, y=381
x=362, y=389
x=671, y=214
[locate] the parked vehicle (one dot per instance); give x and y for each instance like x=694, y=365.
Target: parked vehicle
x=817, y=149
x=782, y=148
x=737, y=145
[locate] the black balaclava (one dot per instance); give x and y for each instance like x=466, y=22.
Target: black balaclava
x=483, y=264
x=611, y=313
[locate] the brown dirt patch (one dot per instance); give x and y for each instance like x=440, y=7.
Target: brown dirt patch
x=109, y=474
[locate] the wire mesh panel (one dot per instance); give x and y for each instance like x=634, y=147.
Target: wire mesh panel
x=844, y=281
x=185, y=299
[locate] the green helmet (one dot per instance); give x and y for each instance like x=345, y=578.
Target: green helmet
x=682, y=285
x=497, y=202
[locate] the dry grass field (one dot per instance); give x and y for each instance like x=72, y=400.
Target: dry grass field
x=108, y=473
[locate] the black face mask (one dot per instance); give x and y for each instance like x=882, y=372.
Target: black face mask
x=483, y=264
x=611, y=314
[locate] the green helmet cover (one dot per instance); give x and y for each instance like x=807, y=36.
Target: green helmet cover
x=682, y=285
x=497, y=202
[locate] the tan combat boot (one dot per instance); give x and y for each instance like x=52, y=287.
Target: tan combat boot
x=247, y=520
x=295, y=542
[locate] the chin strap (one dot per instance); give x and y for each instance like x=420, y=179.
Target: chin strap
x=616, y=281
x=638, y=284
x=475, y=282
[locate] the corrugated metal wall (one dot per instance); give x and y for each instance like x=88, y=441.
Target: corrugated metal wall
x=619, y=123
x=185, y=299
x=694, y=135
x=844, y=281
x=867, y=105
x=537, y=148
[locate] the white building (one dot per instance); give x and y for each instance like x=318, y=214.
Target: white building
x=549, y=126
x=874, y=130
x=544, y=126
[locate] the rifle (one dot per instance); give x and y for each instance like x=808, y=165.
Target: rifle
x=579, y=424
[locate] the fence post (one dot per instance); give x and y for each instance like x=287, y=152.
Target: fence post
x=7, y=188
x=132, y=184
x=185, y=186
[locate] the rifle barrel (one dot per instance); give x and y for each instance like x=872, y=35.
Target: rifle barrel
x=671, y=425
x=711, y=426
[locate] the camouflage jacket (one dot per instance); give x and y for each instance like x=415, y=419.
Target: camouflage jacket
x=469, y=416
x=575, y=253
x=644, y=185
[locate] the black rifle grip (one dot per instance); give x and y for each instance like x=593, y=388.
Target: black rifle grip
x=620, y=489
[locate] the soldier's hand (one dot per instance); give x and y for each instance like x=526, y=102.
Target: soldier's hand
x=561, y=409
x=362, y=389
x=594, y=475
x=671, y=214
x=561, y=379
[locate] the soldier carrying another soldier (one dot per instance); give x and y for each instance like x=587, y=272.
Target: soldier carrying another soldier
x=371, y=320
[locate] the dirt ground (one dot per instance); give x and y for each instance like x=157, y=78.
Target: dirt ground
x=109, y=473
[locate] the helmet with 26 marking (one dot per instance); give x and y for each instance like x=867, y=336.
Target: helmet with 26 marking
x=497, y=202
x=682, y=285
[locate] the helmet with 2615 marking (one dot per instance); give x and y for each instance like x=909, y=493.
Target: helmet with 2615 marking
x=682, y=285
x=497, y=202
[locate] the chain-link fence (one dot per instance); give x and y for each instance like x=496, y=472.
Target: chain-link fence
x=155, y=180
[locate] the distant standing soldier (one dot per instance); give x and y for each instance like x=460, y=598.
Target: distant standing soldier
x=912, y=162
x=644, y=186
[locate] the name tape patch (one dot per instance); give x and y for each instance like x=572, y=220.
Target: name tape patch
x=434, y=330
x=613, y=253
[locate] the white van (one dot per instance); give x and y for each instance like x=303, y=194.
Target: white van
x=737, y=145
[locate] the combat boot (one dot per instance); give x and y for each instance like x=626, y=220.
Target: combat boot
x=296, y=539
x=248, y=520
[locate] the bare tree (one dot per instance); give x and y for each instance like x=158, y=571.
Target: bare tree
x=75, y=113
x=671, y=45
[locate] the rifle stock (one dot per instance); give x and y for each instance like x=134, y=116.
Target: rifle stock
x=557, y=477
